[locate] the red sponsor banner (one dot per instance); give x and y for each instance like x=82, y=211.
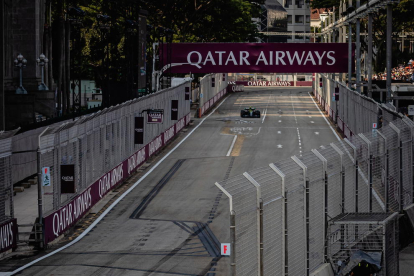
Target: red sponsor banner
x=61, y=220
x=258, y=57
x=265, y=83
x=8, y=235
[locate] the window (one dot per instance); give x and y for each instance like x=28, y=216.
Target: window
x=299, y=19
x=299, y=3
x=288, y=3
x=289, y=19
x=308, y=19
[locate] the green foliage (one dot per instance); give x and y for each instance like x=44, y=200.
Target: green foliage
x=191, y=21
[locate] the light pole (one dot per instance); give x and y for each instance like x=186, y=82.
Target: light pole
x=20, y=62
x=42, y=61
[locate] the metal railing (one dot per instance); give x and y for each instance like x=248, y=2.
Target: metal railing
x=367, y=173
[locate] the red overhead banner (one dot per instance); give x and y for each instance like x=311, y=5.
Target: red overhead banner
x=258, y=57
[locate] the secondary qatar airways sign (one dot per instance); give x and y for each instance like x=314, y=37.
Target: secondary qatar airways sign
x=258, y=57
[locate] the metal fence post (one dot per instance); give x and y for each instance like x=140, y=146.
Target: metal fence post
x=307, y=225
x=369, y=143
x=401, y=179
x=284, y=221
x=261, y=236
x=259, y=222
x=387, y=184
x=233, y=243
x=232, y=231
x=356, y=186
x=306, y=196
x=400, y=176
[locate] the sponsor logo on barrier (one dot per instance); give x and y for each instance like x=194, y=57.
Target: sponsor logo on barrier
x=137, y=159
x=8, y=234
x=180, y=124
x=168, y=134
x=155, y=145
x=110, y=180
x=63, y=218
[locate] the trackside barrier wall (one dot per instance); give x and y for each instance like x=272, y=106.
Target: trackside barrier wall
x=212, y=88
x=303, y=197
x=8, y=224
x=101, y=148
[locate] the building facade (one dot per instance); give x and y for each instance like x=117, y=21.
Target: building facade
x=298, y=19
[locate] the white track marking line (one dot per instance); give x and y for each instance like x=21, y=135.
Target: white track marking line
x=323, y=116
x=265, y=113
x=264, y=116
x=232, y=145
x=87, y=230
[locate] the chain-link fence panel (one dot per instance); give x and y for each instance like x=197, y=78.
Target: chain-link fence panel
x=392, y=179
x=363, y=172
x=245, y=205
x=316, y=177
x=273, y=219
x=349, y=175
x=405, y=160
x=296, y=241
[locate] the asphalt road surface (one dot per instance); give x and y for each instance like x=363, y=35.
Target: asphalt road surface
x=172, y=221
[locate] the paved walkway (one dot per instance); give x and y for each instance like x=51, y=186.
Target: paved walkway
x=25, y=209
x=407, y=261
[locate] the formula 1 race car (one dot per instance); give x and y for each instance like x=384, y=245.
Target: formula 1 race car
x=250, y=112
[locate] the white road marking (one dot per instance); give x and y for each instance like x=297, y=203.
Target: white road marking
x=87, y=230
x=264, y=116
x=310, y=116
x=279, y=146
x=232, y=145
x=312, y=122
x=317, y=133
x=280, y=121
x=279, y=132
x=339, y=139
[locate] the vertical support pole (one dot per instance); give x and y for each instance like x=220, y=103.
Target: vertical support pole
x=401, y=179
x=343, y=206
x=349, y=55
x=356, y=186
x=370, y=183
x=259, y=222
x=358, y=51
x=307, y=225
x=39, y=198
x=261, y=237
x=387, y=185
x=389, y=51
x=285, y=236
x=284, y=221
x=233, y=243
x=326, y=218
x=369, y=55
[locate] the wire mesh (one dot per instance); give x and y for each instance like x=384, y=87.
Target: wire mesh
x=245, y=206
x=316, y=177
x=392, y=145
x=273, y=231
x=296, y=241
